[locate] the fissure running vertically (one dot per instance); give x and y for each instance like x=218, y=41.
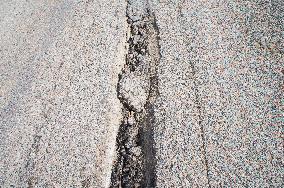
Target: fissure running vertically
x=137, y=89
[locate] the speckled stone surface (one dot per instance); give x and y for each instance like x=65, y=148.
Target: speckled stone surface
x=219, y=119
x=59, y=62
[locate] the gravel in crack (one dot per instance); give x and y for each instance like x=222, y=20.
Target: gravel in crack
x=134, y=165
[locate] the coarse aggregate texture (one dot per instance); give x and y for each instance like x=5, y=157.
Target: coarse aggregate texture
x=177, y=134
x=59, y=110
x=220, y=111
x=141, y=93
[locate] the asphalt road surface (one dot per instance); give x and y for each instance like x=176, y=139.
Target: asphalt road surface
x=137, y=93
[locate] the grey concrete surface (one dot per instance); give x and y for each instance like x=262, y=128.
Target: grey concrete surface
x=219, y=118
x=216, y=113
x=59, y=111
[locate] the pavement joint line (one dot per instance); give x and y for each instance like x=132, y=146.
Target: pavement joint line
x=197, y=99
x=33, y=153
x=198, y=105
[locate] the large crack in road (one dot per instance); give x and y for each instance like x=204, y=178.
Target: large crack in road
x=137, y=89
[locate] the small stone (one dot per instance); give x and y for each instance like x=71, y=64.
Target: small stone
x=134, y=90
x=131, y=120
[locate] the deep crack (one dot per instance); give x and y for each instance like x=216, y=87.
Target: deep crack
x=137, y=90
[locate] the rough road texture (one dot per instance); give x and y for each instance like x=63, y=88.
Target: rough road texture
x=59, y=110
x=220, y=111
x=158, y=93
